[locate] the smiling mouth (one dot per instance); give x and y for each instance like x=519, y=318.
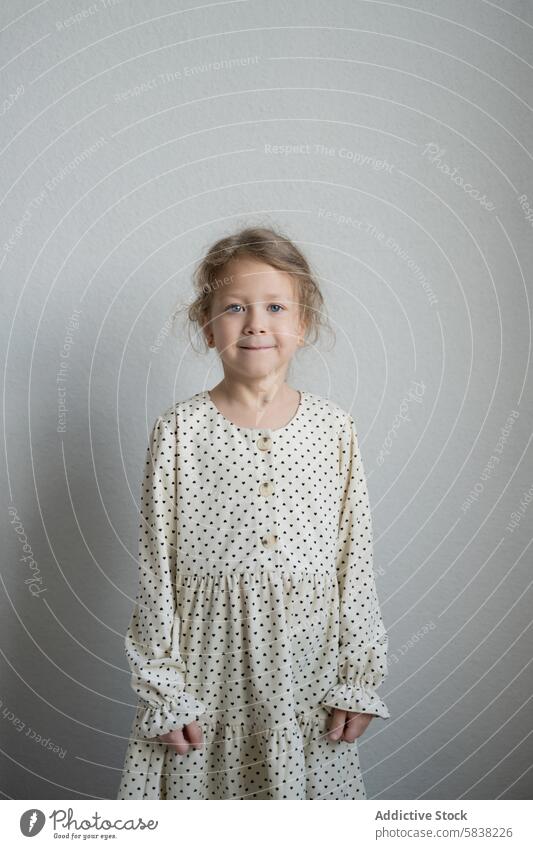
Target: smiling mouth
x=256, y=348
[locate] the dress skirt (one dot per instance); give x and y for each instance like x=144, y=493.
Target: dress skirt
x=266, y=668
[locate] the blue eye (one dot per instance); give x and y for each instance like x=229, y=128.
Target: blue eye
x=230, y=307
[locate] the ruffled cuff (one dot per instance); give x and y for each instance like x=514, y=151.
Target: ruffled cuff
x=155, y=720
x=357, y=699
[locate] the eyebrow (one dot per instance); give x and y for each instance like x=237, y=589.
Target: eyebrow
x=275, y=296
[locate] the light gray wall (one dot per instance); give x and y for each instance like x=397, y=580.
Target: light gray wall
x=120, y=165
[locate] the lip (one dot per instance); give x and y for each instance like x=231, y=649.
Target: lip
x=256, y=347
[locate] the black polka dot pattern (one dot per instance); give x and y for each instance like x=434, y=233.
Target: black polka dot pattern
x=257, y=611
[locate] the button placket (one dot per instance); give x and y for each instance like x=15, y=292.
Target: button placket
x=266, y=490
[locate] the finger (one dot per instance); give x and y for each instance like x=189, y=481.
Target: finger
x=193, y=733
x=336, y=724
x=180, y=743
x=355, y=725
x=352, y=728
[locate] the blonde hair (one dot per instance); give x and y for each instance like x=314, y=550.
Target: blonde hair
x=271, y=247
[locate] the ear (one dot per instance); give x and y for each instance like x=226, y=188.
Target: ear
x=302, y=327
x=208, y=331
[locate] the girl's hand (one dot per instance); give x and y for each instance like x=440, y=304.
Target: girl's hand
x=344, y=725
x=181, y=739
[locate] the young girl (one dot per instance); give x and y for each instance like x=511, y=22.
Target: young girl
x=256, y=643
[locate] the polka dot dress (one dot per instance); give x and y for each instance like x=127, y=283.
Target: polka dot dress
x=256, y=612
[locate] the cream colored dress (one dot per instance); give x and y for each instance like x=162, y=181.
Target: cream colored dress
x=256, y=612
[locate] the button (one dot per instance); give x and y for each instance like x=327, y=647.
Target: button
x=269, y=540
x=266, y=488
x=264, y=443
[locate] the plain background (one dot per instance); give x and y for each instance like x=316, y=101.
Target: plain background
x=135, y=134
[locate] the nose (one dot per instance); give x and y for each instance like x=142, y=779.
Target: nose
x=255, y=319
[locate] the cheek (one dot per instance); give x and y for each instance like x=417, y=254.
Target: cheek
x=228, y=331
x=225, y=325
x=287, y=334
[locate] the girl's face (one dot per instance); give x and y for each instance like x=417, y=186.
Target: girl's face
x=255, y=318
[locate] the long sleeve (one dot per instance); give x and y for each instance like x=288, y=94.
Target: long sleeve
x=152, y=638
x=363, y=640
